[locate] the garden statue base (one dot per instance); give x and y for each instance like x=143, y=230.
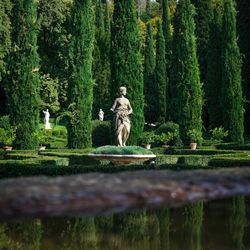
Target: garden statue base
x=122, y=159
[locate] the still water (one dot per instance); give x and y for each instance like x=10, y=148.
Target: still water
x=216, y=225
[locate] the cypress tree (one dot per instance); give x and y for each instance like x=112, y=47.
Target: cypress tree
x=24, y=87
x=186, y=103
x=204, y=12
x=213, y=73
x=149, y=84
x=80, y=91
x=231, y=96
x=126, y=67
x=244, y=38
x=101, y=66
x=168, y=46
x=5, y=44
x=160, y=75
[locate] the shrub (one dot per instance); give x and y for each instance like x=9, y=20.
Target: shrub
x=173, y=128
x=164, y=138
x=101, y=133
x=218, y=134
x=147, y=137
x=194, y=135
x=7, y=132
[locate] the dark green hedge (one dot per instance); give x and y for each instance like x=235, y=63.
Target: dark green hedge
x=229, y=162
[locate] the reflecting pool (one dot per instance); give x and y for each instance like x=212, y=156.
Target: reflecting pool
x=216, y=225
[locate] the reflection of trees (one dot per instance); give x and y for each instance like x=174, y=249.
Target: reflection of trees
x=76, y=233
x=3, y=237
x=131, y=229
x=238, y=222
x=194, y=219
x=164, y=224
x=24, y=235
x=104, y=228
x=153, y=230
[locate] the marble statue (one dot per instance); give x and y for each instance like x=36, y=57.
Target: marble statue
x=101, y=115
x=46, y=119
x=122, y=109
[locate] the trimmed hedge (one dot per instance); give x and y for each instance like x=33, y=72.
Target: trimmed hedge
x=229, y=162
x=10, y=171
x=101, y=133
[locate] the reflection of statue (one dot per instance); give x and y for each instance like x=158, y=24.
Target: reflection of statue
x=101, y=115
x=46, y=119
x=122, y=109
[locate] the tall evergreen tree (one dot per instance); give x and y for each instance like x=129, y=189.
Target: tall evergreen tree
x=213, y=73
x=160, y=75
x=168, y=44
x=231, y=96
x=5, y=44
x=126, y=67
x=80, y=92
x=149, y=84
x=186, y=103
x=24, y=86
x=244, y=38
x=204, y=12
x=101, y=66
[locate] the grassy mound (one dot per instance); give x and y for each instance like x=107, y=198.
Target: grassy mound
x=129, y=150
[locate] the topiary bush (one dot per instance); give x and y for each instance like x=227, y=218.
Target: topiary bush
x=101, y=133
x=174, y=129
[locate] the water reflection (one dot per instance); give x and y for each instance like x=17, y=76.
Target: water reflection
x=221, y=225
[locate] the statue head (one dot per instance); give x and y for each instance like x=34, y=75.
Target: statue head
x=123, y=90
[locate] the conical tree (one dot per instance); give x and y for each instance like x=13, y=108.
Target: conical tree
x=231, y=96
x=213, y=73
x=186, y=103
x=101, y=65
x=166, y=24
x=160, y=78
x=243, y=8
x=23, y=85
x=5, y=44
x=80, y=91
x=204, y=12
x=126, y=67
x=149, y=84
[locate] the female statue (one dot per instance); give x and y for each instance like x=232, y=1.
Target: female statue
x=122, y=109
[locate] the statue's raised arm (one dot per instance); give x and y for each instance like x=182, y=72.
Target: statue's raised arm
x=122, y=109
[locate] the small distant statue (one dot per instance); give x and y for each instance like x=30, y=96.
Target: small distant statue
x=122, y=109
x=46, y=119
x=101, y=115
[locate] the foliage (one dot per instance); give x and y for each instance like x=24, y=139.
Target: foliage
x=43, y=136
x=218, y=134
x=164, y=138
x=101, y=60
x=166, y=28
x=231, y=96
x=49, y=93
x=7, y=132
x=101, y=133
x=147, y=137
x=5, y=32
x=213, y=71
x=149, y=84
x=186, y=92
x=243, y=27
x=126, y=66
x=23, y=86
x=80, y=91
x=160, y=77
x=202, y=19
x=128, y=150
x=194, y=135
x=53, y=42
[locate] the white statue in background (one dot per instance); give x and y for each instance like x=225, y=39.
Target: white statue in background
x=46, y=119
x=101, y=115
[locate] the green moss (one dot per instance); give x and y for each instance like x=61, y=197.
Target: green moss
x=129, y=150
